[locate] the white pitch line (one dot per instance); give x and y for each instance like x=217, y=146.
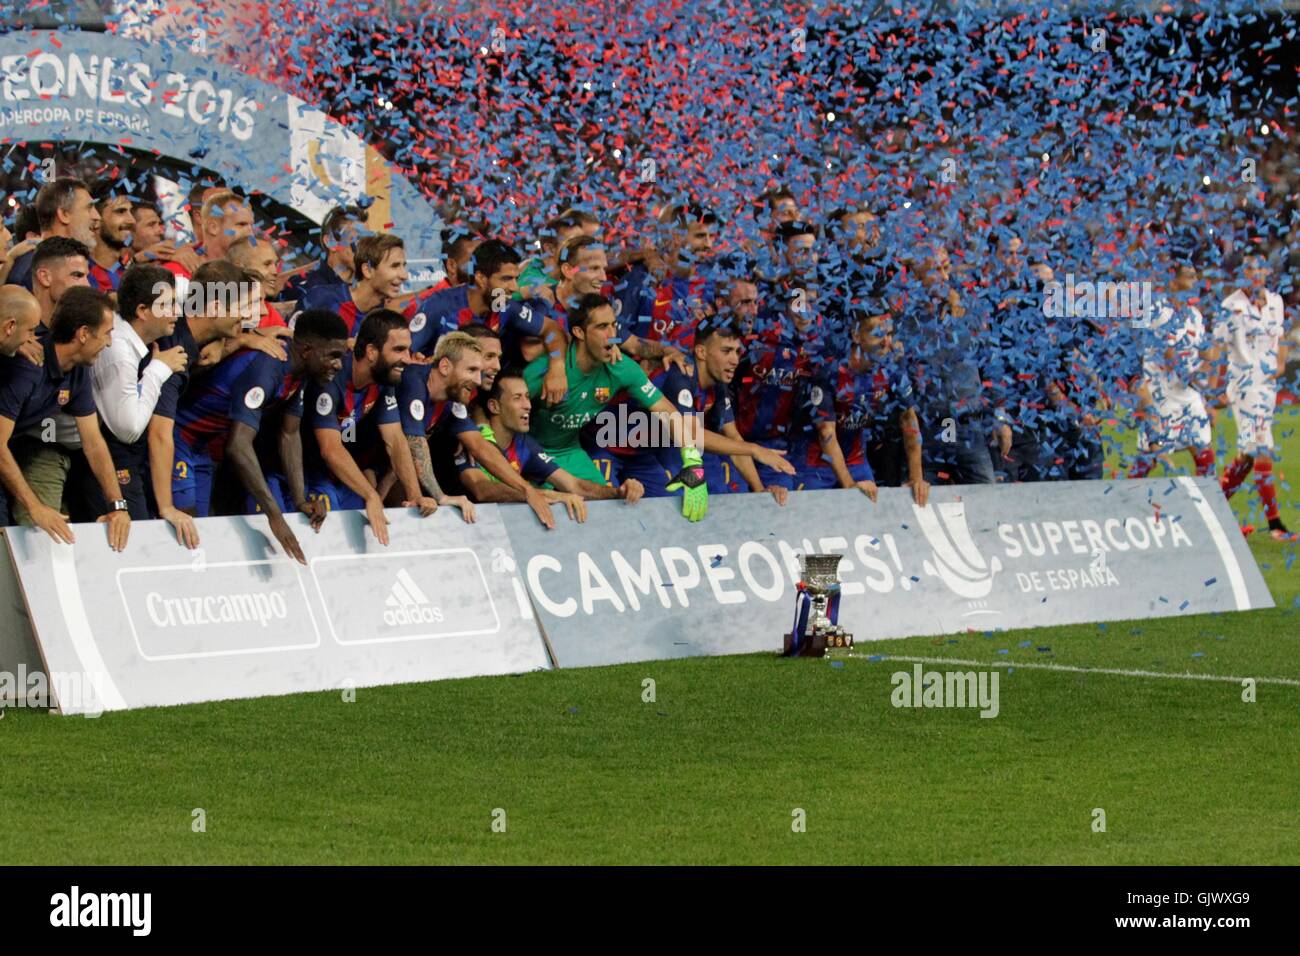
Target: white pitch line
x=1285, y=681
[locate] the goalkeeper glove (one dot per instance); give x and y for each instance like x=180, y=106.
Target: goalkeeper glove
x=695, y=490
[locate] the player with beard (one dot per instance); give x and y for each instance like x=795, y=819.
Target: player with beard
x=64, y=208
x=433, y=402
x=509, y=414
x=593, y=378
x=109, y=256
x=851, y=403
x=488, y=297
x=264, y=448
x=781, y=361
x=181, y=478
x=380, y=274
x=354, y=428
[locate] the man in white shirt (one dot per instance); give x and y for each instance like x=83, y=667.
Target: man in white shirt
x=1252, y=332
x=1177, y=356
x=128, y=377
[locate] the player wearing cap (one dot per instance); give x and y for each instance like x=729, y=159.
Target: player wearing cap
x=1252, y=334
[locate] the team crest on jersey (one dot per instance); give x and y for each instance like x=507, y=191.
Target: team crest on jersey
x=124, y=476
x=417, y=409
x=417, y=321
x=602, y=394
x=65, y=394
x=324, y=404
x=685, y=398
x=255, y=397
x=816, y=395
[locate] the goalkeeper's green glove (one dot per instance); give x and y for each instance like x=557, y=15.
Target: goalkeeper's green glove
x=695, y=490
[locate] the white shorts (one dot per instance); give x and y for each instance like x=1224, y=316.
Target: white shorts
x=1253, y=414
x=1176, y=425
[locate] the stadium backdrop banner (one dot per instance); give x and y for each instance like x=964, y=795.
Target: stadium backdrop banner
x=58, y=86
x=639, y=583
x=161, y=625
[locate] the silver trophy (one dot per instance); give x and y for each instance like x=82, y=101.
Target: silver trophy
x=817, y=629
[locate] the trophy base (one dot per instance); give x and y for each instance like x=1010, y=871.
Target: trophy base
x=817, y=644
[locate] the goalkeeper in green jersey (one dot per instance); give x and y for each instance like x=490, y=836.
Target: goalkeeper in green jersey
x=596, y=373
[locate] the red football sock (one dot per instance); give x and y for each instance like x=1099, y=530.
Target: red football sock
x=1204, y=458
x=1264, y=485
x=1235, y=475
x=1142, y=466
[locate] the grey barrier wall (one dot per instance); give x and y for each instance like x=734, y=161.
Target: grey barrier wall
x=162, y=625
x=648, y=585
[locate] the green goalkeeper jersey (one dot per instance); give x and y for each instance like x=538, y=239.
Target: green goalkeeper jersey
x=557, y=426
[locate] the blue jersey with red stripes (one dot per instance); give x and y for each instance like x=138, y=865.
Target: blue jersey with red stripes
x=436, y=312
x=766, y=396
x=106, y=280
x=238, y=389
x=318, y=288
x=525, y=456
x=356, y=412
x=420, y=414
x=675, y=307
x=859, y=402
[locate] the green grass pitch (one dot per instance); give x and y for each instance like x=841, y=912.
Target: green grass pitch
x=715, y=768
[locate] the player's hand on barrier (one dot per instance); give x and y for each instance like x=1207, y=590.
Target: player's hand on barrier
x=920, y=491
x=284, y=534
x=187, y=533
x=426, y=505
x=464, y=504
x=119, y=528
x=316, y=511
x=869, y=489
x=774, y=458
x=574, y=505
x=52, y=523
x=541, y=507
x=554, y=385
x=779, y=492
x=695, y=489
x=1004, y=441
x=631, y=491
x=174, y=358
x=378, y=520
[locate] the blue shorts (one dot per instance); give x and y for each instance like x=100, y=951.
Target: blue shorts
x=813, y=479
x=191, y=479
x=770, y=476
x=721, y=474
x=279, y=487
x=337, y=496
x=648, y=470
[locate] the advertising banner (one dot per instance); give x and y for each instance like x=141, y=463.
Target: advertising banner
x=159, y=624
x=57, y=86
x=649, y=585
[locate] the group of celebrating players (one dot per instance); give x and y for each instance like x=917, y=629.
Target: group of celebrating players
x=141, y=378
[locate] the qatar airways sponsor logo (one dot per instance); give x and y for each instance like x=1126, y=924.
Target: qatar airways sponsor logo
x=259, y=607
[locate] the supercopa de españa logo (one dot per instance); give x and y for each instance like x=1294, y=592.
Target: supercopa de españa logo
x=955, y=559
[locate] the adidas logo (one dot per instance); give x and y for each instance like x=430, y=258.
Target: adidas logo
x=406, y=604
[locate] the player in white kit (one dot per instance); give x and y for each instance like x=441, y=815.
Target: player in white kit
x=1252, y=331
x=1176, y=363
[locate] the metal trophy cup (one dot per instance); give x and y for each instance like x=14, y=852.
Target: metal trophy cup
x=817, y=609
